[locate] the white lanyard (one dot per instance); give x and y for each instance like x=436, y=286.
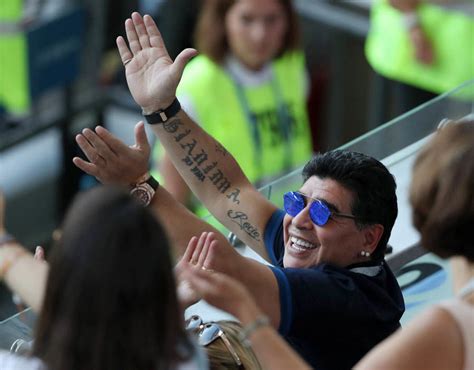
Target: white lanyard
x=283, y=116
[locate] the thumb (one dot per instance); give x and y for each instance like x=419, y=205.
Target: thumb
x=181, y=60
x=141, y=140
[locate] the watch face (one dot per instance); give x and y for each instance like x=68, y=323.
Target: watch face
x=142, y=194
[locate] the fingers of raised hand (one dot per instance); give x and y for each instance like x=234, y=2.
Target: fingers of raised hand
x=132, y=37
x=124, y=51
x=143, y=37
x=113, y=144
x=141, y=140
x=89, y=150
x=181, y=60
x=198, y=245
x=101, y=148
x=155, y=36
x=198, y=257
x=188, y=253
x=87, y=167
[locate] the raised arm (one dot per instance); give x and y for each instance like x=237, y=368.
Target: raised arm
x=208, y=169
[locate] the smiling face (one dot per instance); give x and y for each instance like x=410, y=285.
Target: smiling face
x=338, y=242
x=256, y=30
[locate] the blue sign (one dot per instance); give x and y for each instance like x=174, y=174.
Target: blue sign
x=54, y=50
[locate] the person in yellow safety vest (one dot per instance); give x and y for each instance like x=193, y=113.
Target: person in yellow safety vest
x=247, y=89
x=14, y=93
x=426, y=44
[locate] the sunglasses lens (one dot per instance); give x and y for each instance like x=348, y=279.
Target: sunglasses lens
x=319, y=213
x=193, y=322
x=208, y=334
x=293, y=203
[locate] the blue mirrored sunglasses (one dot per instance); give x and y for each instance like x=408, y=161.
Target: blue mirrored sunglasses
x=319, y=212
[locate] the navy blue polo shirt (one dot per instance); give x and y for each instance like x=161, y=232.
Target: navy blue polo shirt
x=333, y=316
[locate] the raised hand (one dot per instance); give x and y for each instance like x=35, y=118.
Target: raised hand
x=111, y=161
x=152, y=76
x=197, y=249
x=208, y=253
x=194, y=256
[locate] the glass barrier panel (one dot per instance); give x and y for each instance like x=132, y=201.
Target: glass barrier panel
x=17, y=328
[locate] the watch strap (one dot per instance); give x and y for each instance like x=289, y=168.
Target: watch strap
x=153, y=182
x=163, y=115
x=147, y=178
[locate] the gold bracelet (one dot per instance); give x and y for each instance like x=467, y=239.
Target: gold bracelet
x=10, y=261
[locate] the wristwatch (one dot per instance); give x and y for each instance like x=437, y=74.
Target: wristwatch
x=145, y=189
x=163, y=115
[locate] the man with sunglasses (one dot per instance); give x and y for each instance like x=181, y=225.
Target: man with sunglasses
x=329, y=293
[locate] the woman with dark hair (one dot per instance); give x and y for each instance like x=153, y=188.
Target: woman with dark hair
x=247, y=88
x=110, y=299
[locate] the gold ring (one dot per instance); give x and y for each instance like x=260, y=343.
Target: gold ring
x=127, y=61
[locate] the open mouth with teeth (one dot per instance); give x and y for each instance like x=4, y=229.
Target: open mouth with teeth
x=301, y=245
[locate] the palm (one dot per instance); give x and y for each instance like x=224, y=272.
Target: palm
x=149, y=77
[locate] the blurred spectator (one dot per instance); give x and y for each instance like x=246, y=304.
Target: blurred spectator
x=247, y=89
x=414, y=43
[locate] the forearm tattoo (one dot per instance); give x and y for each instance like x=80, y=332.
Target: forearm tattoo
x=221, y=149
x=198, y=162
x=240, y=218
x=197, y=159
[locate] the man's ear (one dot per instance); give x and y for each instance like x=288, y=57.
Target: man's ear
x=372, y=235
